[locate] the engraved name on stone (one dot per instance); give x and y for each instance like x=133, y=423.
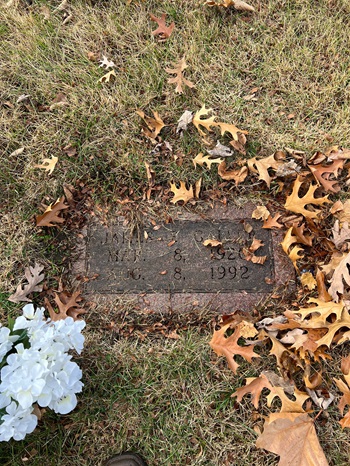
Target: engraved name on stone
x=172, y=258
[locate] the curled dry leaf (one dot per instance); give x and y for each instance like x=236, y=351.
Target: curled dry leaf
x=154, y=125
x=340, y=235
x=262, y=167
x=323, y=294
x=220, y=151
x=212, y=242
x=236, y=4
x=51, y=215
x=261, y=213
x=308, y=280
x=163, y=31
x=48, y=164
x=179, y=79
x=182, y=193
x=184, y=120
x=340, y=276
x=238, y=175
x=239, y=145
x=34, y=277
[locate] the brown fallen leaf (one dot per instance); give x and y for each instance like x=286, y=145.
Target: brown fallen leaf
x=212, y=242
x=340, y=276
x=182, y=193
x=308, y=280
x=237, y=4
x=297, y=204
x=323, y=294
x=207, y=123
x=228, y=347
x=154, y=125
x=238, y=176
x=179, y=79
x=163, y=31
x=293, y=437
x=185, y=119
x=261, y=213
x=51, y=215
x=34, y=277
x=340, y=235
x=231, y=129
x=272, y=222
x=107, y=77
x=48, y=164
x=255, y=386
x=262, y=167
x=68, y=306
x=239, y=145
x=319, y=171
x=220, y=151
x=201, y=159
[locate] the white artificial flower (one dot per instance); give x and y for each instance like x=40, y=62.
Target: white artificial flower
x=69, y=331
x=23, y=378
x=31, y=318
x=6, y=341
x=64, y=405
x=17, y=422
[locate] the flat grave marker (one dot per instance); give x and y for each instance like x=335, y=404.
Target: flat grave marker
x=167, y=265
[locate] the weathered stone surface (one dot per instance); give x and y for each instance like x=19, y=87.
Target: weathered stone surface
x=167, y=266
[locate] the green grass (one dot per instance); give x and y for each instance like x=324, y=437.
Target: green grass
x=170, y=400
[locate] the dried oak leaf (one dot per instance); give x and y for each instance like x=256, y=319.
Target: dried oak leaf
x=105, y=63
x=333, y=328
x=261, y=213
x=255, y=386
x=182, y=193
x=34, y=277
x=239, y=145
x=288, y=405
x=179, y=79
x=262, y=166
x=231, y=129
x=341, y=274
x=201, y=159
x=220, y=151
x=238, y=175
x=229, y=347
x=237, y=4
x=345, y=399
x=163, y=31
x=154, y=125
x=302, y=238
x=205, y=122
x=48, y=164
x=272, y=222
x=68, y=306
x=107, y=77
x=323, y=294
x=293, y=437
x=320, y=311
x=212, y=242
x=51, y=214
x=183, y=121
x=319, y=171
x=340, y=235
x=307, y=279
x=297, y=204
